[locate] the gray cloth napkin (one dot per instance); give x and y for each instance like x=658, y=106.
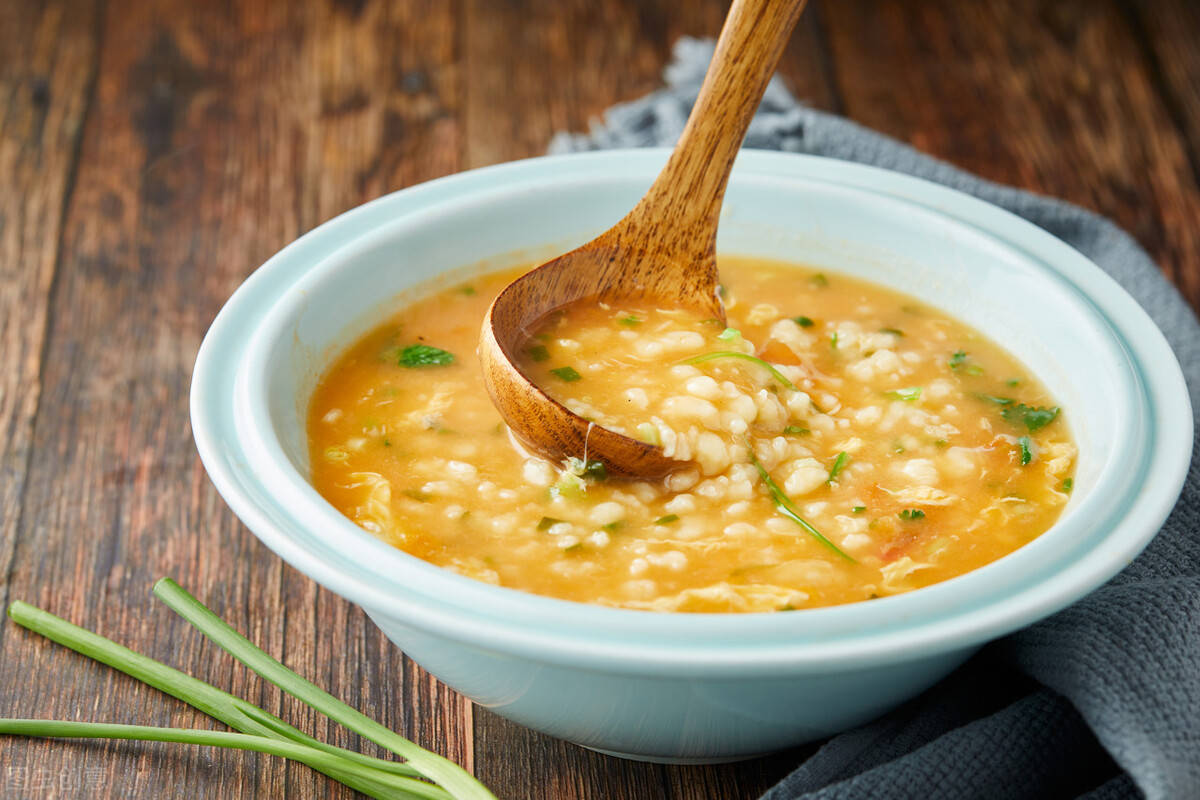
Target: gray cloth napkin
x=1101, y=700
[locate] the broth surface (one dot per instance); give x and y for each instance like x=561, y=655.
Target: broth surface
x=910, y=447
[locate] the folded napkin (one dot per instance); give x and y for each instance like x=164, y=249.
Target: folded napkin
x=1101, y=700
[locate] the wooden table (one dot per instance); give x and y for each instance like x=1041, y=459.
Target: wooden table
x=154, y=152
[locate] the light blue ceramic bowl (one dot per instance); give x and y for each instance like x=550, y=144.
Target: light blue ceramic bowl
x=695, y=687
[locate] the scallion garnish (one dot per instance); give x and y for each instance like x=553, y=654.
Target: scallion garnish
x=422, y=355
x=839, y=464
x=591, y=468
x=910, y=514
x=667, y=520
x=630, y=321
x=539, y=353
x=1068, y=484
x=729, y=334
x=260, y=731
x=958, y=359
x=796, y=430
x=568, y=374
x=776, y=374
x=819, y=280
x=991, y=398
x=784, y=506
x=893, y=331
x=803, y=321
x=909, y=395
x=858, y=509
x=546, y=523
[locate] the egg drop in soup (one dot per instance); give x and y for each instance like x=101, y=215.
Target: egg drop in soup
x=838, y=441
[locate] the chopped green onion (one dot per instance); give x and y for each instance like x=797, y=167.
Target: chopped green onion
x=909, y=395
x=1068, y=484
x=667, y=520
x=784, y=506
x=1013, y=382
x=567, y=374
x=819, y=280
x=910, y=514
x=839, y=464
x=722, y=292
x=1026, y=446
x=547, y=523
x=729, y=334
x=647, y=433
x=958, y=359
x=469, y=291
x=803, y=322
x=893, y=331
x=539, y=353
x=776, y=374
x=796, y=430
x=858, y=509
x=422, y=355
x=630, y=321
x=833, y=340
x=592, y=468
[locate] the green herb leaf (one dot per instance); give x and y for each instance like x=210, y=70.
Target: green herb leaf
x=538, y=353
x=667, y=520
x=858, y=509
x=729, y=334
x=567, y=374
x=893, y=331
x=1034, y=419
x=785, y=507
x=630, y=321
x=833, y=340
x=469, y=291
x=958, y=359
x=1026, y=446
x=908, y=395
x=1068, y=484
x=547, y=523
x=776, y=374
x=722, y=292
x=819, y=280
x=803, y=322
x=839, y=464
x=1013, y=382
x=796, y=430
x=422, y=355
x=910, y=514
x=991, y=398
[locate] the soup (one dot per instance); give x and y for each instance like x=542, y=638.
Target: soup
x=838, y=442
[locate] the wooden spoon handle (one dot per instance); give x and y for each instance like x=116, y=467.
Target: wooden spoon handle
x=681, y=209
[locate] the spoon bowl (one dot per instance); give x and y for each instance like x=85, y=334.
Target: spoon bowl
x=662, y=252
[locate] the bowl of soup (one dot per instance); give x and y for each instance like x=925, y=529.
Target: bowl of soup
x=924, y=424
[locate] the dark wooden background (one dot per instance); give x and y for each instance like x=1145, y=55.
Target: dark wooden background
x=154, y=152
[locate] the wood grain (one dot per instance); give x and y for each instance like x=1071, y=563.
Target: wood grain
x=153, y=152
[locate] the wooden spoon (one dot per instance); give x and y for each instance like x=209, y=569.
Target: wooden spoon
x=663, y=251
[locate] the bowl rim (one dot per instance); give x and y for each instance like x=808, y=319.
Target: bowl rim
x=511, y=621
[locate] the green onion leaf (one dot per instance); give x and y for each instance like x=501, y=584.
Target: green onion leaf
x=729, y=334
x=819, y=280
x=803, y=322
x=833, y=340
x=630, y=321
x=858, y=509
x=910, y=514
x=469, y=291
x=776, y=374
x=539, y=353
x=839, y=464
x=667, y=520
x=796, y=430
x=1068, y=484
x=958, y=359
x=893, y=331
x=909, y=395
x=592, y=468
x=547, y=523
x=567, y=374
x=785, y=507
x=422, y=355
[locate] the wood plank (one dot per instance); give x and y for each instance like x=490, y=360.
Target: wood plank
x=220, y=133
x=1057, y=98
x=47, y=64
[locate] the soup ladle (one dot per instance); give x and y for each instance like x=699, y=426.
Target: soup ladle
x=662, y=252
